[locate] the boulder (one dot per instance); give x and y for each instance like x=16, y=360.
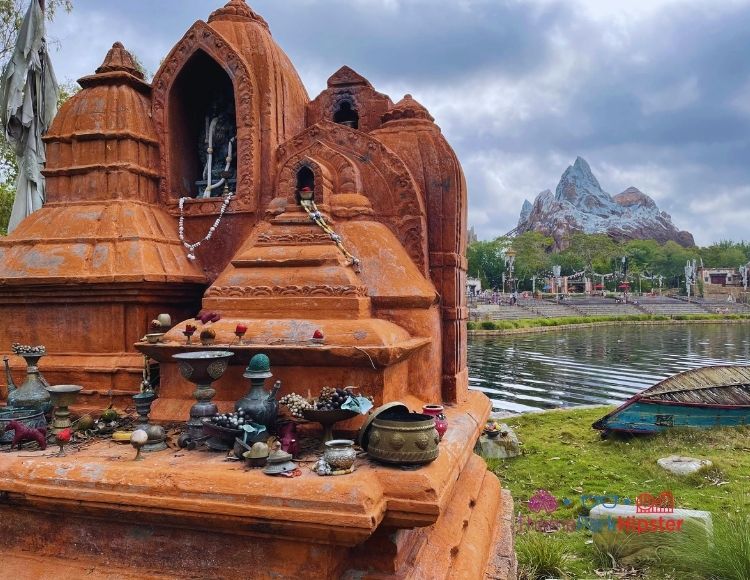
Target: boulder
x=683, y=465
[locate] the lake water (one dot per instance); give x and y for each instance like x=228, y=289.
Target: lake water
x=603, y=365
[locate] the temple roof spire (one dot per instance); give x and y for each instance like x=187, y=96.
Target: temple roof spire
x=238, y=11
x=120, y=60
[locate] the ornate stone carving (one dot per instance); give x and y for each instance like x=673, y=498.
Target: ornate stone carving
x=343, y=151
x=293, y=239
x=203, y=37
x=287, y=291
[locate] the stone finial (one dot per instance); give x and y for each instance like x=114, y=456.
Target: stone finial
x=237, y=10
x=346, y=76
x=119, y=60
x=406, y=109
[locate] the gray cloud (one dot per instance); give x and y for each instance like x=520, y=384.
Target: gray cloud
x=655, y=95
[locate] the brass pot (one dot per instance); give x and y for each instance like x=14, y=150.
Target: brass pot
x=403, y=438
x=340, y=454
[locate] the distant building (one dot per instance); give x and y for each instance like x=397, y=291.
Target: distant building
x=720, y=276
x=473, y=286
x=472, y=236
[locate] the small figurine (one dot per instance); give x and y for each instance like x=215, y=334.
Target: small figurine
x=23, y=433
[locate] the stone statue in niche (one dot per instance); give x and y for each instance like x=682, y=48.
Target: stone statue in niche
x=218, y=148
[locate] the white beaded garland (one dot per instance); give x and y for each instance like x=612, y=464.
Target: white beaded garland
x=181, y=228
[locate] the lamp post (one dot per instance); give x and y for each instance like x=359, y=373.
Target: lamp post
x=556, y=271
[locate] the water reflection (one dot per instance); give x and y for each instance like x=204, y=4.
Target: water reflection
x=596, y=366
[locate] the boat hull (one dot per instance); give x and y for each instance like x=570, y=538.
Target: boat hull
x=644, y=416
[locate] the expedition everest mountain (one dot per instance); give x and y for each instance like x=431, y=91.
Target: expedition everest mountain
x=580, y=205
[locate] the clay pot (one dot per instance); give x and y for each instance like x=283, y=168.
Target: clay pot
x=340, y=454
x=441, y=423
x=401, y=438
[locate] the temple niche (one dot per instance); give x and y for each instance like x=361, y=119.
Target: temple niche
x=203, y=138
x=342, y=217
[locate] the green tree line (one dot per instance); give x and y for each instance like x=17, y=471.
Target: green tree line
x=594, y=253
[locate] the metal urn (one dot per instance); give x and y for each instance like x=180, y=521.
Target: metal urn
x=32, y=394
x=261, y=407
x=202, y=369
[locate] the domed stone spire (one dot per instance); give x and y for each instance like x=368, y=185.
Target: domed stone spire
x=237, y=10
x=407, y=109
x=120, y=60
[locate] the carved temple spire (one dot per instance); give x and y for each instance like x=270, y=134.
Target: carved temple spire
x=347, y=77
x=406, y=109
x=120, y=60
x=238, y=11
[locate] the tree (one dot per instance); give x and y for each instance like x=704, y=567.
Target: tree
x=594, y=251
x=725, y=254
x=487, y=262
x=532, y=257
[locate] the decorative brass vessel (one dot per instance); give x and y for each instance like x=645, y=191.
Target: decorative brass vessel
x=340, y=454
x=202, y=369
x=393, y=435
x=62, y=397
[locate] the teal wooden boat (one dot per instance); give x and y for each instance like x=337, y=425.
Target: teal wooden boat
x=717, y=396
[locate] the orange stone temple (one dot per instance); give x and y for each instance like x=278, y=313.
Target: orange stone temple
x=136, y=173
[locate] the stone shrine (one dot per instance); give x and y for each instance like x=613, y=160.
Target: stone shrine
x=344, y=215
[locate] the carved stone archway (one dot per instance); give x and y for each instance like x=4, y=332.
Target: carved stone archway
x=202, y=37
x=351, y=155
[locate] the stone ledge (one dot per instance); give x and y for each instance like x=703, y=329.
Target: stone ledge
x=200, y=491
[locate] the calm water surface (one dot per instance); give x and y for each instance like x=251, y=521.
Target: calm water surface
x=596, y=366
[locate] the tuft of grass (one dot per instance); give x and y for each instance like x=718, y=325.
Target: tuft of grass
x=694, y=554
x=541, y=556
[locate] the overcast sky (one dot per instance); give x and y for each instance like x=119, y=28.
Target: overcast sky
x=653, y=93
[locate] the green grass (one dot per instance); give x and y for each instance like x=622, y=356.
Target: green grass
x=540, y=322
x=541, y=557
x=565, y=456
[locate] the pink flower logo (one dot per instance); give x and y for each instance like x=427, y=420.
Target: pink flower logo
x=543, y=500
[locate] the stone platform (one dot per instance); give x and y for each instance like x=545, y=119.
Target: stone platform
x=194, y=515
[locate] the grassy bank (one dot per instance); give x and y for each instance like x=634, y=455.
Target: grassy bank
x=565, y=456
x=577, y=320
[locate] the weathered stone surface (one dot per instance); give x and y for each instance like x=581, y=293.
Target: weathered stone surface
x=504, y=446
x=683, y=465
x=581, y=205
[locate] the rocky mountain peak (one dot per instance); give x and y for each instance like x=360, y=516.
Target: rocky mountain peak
x=580, y=188
x=581, y=205
x=633, y=196
x=526, y=210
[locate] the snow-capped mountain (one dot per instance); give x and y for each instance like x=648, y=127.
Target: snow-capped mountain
x=581, y=205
